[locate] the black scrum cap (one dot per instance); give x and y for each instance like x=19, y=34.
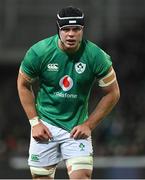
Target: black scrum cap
x=70, y=16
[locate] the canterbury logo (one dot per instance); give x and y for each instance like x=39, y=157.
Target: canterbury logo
x=52, y=67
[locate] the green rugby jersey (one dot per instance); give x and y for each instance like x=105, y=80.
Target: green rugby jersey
x=65, y=79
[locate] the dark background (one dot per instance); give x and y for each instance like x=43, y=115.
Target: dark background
x=118, y=27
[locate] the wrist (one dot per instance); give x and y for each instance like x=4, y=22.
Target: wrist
x=34, y=121
x=89, y=125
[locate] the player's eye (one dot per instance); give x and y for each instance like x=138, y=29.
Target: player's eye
x=77, y=28
x=65, y=29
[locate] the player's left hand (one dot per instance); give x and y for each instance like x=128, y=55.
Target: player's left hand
x=80, y=132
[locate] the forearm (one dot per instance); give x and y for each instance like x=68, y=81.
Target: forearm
x=102, y=109
x=27, y=99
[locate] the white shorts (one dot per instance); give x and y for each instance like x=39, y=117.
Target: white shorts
x=61, y=147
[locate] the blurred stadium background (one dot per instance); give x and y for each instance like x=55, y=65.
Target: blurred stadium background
x=118, y=27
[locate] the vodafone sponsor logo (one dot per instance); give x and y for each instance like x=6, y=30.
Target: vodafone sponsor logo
x=66, y=95
x=66, y=83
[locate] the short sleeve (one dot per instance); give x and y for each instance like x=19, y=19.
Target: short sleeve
x=30, y=64
x=102, y=63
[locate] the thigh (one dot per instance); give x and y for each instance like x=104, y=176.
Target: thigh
x=44, y=153
x=80, y=167
x=78, y=155
x=75, y=148
x=43, y=172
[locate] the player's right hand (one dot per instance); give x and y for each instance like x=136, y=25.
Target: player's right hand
x=41, y=133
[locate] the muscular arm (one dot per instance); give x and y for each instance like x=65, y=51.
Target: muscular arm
x=111, y=95
x=27, y=98
x=26, y=95
x=105, y=105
